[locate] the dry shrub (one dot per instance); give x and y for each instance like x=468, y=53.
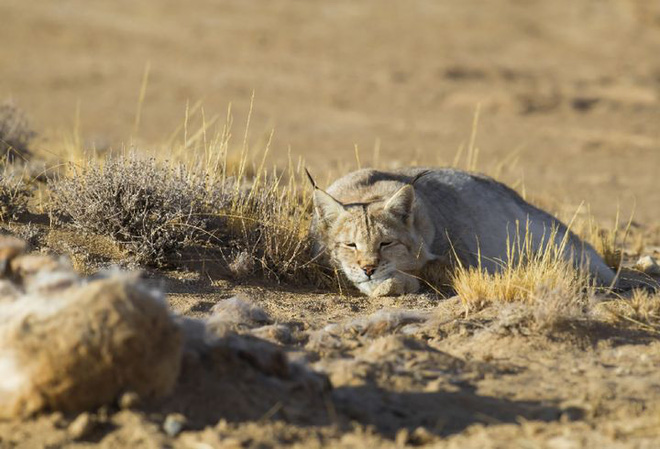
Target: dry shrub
x=523, y=276
x=151, y=209
x=14, y=196
x=155, y=210
x=15, y=133
x=259, y=219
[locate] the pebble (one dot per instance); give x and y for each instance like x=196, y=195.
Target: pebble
x=648, y=265
x=81, y=427
x=129, y=400
x=402, y=437
x=421, y=436
x=174, y=424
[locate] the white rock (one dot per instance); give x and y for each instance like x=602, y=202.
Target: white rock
x=648, y=265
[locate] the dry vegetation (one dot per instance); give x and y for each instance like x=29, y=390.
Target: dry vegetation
x=14, y=195
x=256, y=218
x=524, y=273
x=150, y=209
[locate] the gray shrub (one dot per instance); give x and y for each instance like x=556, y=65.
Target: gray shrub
x=151, y=209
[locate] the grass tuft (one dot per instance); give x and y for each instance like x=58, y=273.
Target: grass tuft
x=267, y=227
x=608, y=242
x=642, y=309
x=524, y=276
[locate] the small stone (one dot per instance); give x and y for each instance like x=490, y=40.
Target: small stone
x=81, y=427
x=421, y=436
x=58, y=420
x=174, y=424
x=129, y=400
x=402, y=437
x=648, y=265
x=11, y=247
x=103, y=413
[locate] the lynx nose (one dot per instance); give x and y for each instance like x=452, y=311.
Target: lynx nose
x=369, y=269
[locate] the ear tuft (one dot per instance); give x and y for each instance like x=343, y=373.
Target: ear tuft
x=311, y=180
x=401, y=203
x=326, y=207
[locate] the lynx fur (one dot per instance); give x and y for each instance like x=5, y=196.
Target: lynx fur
x=382, y=228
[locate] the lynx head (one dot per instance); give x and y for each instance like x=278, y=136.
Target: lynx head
x=371, y=241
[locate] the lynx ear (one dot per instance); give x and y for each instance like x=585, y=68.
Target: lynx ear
x=401, y=203
x=327, y=208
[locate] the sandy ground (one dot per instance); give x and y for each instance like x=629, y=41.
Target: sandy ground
x=569, y=95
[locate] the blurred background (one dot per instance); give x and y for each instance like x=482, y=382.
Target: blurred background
x=567, y=92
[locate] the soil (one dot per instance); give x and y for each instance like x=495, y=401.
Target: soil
x=568, y=94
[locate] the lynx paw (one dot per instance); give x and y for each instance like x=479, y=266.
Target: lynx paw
x=398, y=285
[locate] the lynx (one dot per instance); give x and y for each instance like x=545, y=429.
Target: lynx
x=382, y=228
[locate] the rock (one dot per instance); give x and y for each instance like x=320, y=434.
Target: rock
x=421, y=436
x=174, y=424
x=240, y=311
x=81, y=427
x=129, y=400
x=274, y=332
x=10, y=247
x=648, y=265
x=80, y=349
x=402, y=437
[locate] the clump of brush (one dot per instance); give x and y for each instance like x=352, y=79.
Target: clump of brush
x=152, y=209
x=14, y=195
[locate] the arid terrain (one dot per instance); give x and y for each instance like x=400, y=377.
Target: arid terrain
x=560, y=100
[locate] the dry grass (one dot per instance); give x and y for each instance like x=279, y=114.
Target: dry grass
x=156, y=207
x=607, y=242
x=642, y=309
x=524, y=276
x=267, y=212
x=267, y=224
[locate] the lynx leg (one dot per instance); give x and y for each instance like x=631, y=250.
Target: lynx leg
x=397, y=285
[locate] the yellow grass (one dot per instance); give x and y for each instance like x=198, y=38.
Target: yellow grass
x=524, y=275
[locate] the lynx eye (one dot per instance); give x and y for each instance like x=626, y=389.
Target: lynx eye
x=350, y=245
x=384, y=244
